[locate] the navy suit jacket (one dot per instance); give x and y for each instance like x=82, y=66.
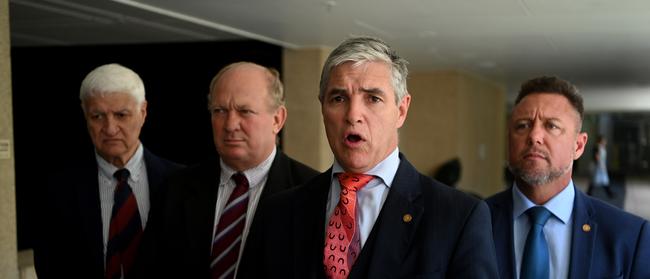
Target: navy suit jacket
x=448, y=235
x=69, y=243
x=184, y=225
x=617, y=246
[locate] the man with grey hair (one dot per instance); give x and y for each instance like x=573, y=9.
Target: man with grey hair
x=371, y=215
x=543, y=226
x=96, y=211
x=210, y=207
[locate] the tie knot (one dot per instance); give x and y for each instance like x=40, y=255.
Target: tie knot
x=538, y=215
x=122, y=175
x=240, y=180
x=353, y=181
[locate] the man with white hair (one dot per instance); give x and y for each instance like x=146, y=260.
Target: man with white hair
x=96, y=212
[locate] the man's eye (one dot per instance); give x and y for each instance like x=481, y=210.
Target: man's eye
x=375, y=99
x=554, y=129
x=246, y=111
x=218, y=111
x=521, y=126
x=338, y=99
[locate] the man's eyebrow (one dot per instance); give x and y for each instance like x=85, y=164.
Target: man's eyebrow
x=337, y=91
x=373, y=90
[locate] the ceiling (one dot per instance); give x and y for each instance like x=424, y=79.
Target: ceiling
x=590, y=42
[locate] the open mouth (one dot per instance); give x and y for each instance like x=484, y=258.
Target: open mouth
x=353, y=138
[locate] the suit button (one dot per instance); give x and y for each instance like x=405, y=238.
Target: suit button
x=407, y=218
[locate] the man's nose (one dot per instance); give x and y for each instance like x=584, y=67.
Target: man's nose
x=232, y=121
x=111, y=126
x=355, y=111
x=537, y=134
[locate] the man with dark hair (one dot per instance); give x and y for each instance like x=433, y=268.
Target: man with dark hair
x=543, y=226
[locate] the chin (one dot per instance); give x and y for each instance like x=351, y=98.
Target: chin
x=354, y=166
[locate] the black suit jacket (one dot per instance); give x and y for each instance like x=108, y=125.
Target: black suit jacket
x=184, y=225
x=448, y=235
x=616, y=246
x=69, y=242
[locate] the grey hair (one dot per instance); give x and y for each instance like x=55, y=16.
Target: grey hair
x=276, y=90
x=111, y=79
x=367, y=49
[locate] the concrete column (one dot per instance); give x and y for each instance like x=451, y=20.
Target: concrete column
x=304, y=134
x=8, y=245
x=456, y=114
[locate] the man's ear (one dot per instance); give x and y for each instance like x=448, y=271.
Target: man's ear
x=581, y=142
x=403, y=108
x=279, y=118
x=143, y=109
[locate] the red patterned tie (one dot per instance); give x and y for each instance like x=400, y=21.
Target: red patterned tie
x=125, y=230
x=342, y=243
x=228, y=236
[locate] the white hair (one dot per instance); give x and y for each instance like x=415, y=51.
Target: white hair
x=111, y=79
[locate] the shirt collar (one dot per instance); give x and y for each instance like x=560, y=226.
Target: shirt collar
x=385, y=170
x=254, y=175
x=561, y=205
x=132, y=165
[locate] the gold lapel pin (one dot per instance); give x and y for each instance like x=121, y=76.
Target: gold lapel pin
x=407, y=218
x=586, y=228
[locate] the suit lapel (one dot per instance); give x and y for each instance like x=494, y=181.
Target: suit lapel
x=402, y=200
x=199, y=209
x=91, y=216
x=154, y=175
x=584, y=237
x=278, y=177
x=309, y=225
x=502, y=230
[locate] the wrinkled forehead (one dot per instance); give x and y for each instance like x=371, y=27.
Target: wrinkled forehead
x=112, y=100
x=545, y=104
x=545, y=107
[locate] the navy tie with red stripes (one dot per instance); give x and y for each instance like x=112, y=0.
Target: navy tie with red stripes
x=228, y=235
x=125, y=229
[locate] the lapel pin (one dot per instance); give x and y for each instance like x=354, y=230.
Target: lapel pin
x=586, y=228
x=407, y=218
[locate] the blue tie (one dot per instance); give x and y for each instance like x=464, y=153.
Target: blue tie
x=535, y=261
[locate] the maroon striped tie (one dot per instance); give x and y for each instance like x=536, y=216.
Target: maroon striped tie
x=125, y=229
x=228, y=235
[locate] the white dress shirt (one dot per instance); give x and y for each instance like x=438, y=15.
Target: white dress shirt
x=256, y=180
x=557, y=229
x=138, y=180
x=370, y=198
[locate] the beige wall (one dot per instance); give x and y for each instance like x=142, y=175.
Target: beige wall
x=456, y=114
x=8, y=246
x=304, y=133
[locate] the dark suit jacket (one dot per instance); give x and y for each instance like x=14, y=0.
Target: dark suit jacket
x=617, y=246
x=69, y=242
x=185, y=224
x=448, y=235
